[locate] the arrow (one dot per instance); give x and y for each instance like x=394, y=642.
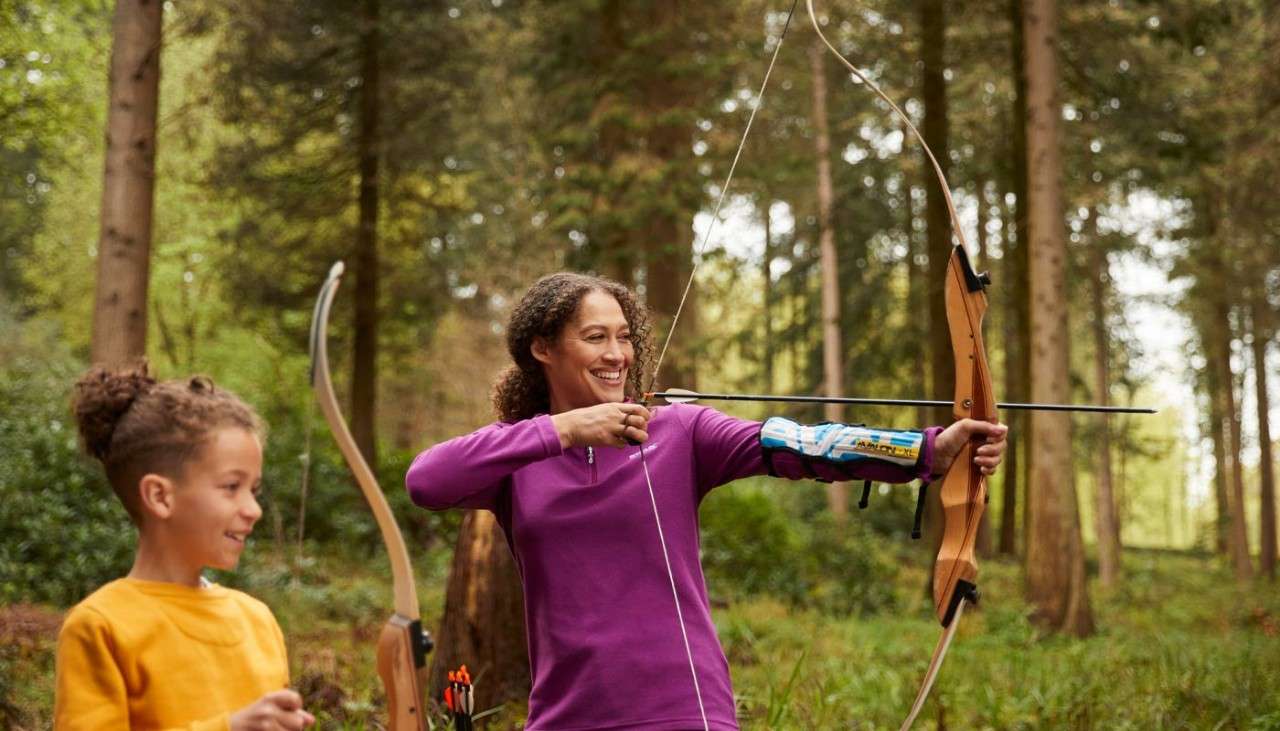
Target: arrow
x=682, y=396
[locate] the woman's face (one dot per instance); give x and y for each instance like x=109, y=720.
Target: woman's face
x=589, y=362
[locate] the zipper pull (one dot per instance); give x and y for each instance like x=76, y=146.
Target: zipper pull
x=591, y=456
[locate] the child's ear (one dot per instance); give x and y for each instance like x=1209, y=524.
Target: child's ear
x=156, y=494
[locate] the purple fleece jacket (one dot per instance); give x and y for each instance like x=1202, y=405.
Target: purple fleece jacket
x=605, y=649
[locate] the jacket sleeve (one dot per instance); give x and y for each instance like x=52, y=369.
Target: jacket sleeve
x=470, y=471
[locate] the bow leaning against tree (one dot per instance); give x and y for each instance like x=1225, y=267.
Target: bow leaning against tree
x=402, y=644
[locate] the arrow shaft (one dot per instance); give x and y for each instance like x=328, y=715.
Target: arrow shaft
x=678, y=396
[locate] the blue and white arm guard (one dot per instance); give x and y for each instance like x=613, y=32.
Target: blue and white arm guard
x=841, y=444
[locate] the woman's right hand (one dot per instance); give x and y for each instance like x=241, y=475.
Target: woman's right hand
x=279, y=710
x=603, y=425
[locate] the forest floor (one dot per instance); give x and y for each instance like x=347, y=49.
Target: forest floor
x=1179, y=646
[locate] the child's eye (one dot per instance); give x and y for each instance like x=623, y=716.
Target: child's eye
x=232, y=486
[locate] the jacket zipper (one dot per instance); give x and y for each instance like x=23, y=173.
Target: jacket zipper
x=591, y=461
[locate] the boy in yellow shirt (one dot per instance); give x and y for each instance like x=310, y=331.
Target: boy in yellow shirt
x=162, y=648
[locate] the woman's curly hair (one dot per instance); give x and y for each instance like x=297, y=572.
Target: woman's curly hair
x=521, y=391
x=135, y=425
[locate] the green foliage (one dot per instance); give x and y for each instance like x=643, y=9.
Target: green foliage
x=1183, y=648
x=65, y=532
x=752, y=546
x=49, y=51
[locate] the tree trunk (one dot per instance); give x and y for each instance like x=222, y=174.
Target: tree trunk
x=1008, y=328
x=364, y=362
x=917, y=287
x=1056, y=584
x=1267, y=499
x=1237, y=530
x=1018, y=286
x=766, y=341
x=933, y=37
x=670, y=248
x=832, y=351
x=128, y=187
x=1105, y=511
x=483, y=624
x=1218, y=436
x=933, y=41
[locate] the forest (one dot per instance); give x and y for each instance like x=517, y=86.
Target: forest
x=178, y=180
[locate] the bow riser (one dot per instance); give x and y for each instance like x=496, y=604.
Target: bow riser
x=964, y=488
x=401, y=662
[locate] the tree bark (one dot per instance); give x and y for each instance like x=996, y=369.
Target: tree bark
x=916, y=286
x=128, y=188
x=364, y=362
x=670, y=247
x=1106, y=525
x=832, y=350
x=766, y=340
x=1010, y=473
x=483, y=623
x=1056, y=584
x=1018, y=285
x=1237, y=529
x=933, y=43
x=1266, y=470
x=1219, y=439
x=1008, y=545
x=933, y=38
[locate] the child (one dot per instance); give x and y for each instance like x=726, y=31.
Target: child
x=163, y=648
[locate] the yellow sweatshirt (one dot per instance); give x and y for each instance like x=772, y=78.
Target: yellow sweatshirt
x=151, y=655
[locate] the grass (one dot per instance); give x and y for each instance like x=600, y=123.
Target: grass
x=1180, y=646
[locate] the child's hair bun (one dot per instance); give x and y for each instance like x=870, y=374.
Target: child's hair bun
x=102, y=397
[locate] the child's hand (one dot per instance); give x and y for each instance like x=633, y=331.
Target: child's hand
x=279, y=710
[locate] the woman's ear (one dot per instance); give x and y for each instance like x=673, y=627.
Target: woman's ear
x=541, y=350
x=156, y=494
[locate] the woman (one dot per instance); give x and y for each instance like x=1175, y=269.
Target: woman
x=616, y=640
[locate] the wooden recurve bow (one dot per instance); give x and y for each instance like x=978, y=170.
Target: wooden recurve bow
x=402, y=645
x=964, y=487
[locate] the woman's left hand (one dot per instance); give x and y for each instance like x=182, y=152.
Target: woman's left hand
x=952, y=439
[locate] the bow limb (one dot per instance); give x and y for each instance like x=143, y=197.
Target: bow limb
x=402, y=645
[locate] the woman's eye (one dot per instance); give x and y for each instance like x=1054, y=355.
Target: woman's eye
x=625, y=337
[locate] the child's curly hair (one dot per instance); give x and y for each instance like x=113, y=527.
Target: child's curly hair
x=135, y=425
x=521, y=391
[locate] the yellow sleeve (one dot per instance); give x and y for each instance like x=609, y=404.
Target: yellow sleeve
x=89, y=688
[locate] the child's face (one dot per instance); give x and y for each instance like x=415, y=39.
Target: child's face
x=217, y=505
